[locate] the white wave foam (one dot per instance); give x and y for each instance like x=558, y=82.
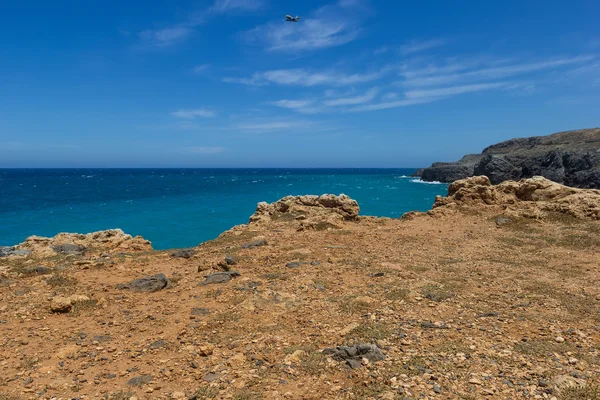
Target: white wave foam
x=427, y=183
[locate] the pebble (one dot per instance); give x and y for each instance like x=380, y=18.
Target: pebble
x=559, y=339
x=437, y=389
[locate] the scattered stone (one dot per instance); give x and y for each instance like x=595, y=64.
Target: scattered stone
x=210, y=377
x=354, y=355
x=255, y=243
x=437, y=389
x=200, y=311
x=474, y=381
x=230, y=260
x=377, y=275
x=502, y=221
x=487, y=314
x=294, y=264
x=220, y=277
x=62, y=304
x=184, y=253
x=431, y=325
x=559, y=339
x=72, y=249
x=157, y=344
x=147, y=284
x=140, y=380
x=39, y=270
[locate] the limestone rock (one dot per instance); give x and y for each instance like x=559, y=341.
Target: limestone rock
x=309, y=210
x=527, y=197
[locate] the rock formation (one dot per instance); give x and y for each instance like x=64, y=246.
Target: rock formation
x=533, y=197
x=76, y=244
x=571, y=158
x=315, y=212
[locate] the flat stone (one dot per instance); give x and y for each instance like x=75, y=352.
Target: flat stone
x=140, y=380
x=487, y=314
x=255, y=243
x=184, y=253
x=230, y=260
x=431, y=325
x=437, y=389
x=6, y=251
x=502, y=221
x=200, y=311
x=294, y=264
x=354, y=355
x=210, y=377
x=219, y=277
x=68, y=248
x=147, y=284
x=157, y=344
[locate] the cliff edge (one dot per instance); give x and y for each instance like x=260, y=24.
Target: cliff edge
x=571, y=158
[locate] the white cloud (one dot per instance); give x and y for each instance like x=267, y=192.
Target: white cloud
x=452, y=90
x=346, y=101
x=318, y=31
x=224, y=6
x=395, y=104
x=267, y=126
x=293, y=104
x=416, y=46
x=205, y=150
x=431, y=76
x=390, y=96
x=192, y=114
x=165, y=37
x=302, y=77
x=201, y=68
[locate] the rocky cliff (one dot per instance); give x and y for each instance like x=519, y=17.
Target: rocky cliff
x=571, y=158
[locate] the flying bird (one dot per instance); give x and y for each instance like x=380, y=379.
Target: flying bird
x=289, y=18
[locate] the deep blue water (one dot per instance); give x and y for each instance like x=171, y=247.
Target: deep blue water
x=184, y=207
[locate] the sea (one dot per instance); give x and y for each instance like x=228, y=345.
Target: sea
x=178, y=208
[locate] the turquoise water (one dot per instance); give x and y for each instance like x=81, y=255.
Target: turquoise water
x=184, y=207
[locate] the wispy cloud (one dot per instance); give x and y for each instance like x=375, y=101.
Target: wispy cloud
x=302, y=77
x=452, y=90
x=205, y=150
x=192, y=114
x=201, y=68
x=417, y=76
x=346, y=101
x=293, y=104
x=267, y=125
x=224, y=6
x=177, y=33
x=416, y=46
x=318, y=31
x=165, y=37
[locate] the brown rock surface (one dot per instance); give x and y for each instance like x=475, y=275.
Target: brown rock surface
x=466, y=305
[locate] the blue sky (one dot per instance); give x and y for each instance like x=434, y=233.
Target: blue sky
x=228, y=83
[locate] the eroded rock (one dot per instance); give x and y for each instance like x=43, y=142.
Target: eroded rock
x=220, y=277
x=147, y=284
x=354, y=355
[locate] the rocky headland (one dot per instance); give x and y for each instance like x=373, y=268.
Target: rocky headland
x=571, y=158
x=493, y=293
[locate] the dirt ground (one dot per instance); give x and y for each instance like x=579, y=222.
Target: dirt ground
x=470, y=303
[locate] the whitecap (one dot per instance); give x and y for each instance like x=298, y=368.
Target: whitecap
x=428, y=183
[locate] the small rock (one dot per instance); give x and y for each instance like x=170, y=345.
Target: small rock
x=157, y=345
x=437, y=389
x=474, y=381
x=294, y=264
x=431, y=325
x=230, y=260
x=147, y=284
x=502, y=221
x=200, y=311
x=255, y=243
x=219, y=277
x=210, y=377
x=573, y=361
x=559, y=339
x=184, y=253
x=140, y=380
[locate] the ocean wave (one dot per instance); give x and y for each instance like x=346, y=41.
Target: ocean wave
x=427, y=183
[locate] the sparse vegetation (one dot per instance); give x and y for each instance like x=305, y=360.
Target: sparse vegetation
x=86, y=306
x=587, y=392
x=369, y=332
x=60, y=280
x=436, y=293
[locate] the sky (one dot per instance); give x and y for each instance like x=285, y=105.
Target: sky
x=229, y=83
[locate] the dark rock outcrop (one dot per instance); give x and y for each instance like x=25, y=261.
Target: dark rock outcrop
x=571, y=158
x=219, y=277
x=353, y=355
x=147, y=284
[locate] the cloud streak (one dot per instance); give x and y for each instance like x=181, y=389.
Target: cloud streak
x=417, y=46
x=193, y=114
x=302, y=77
